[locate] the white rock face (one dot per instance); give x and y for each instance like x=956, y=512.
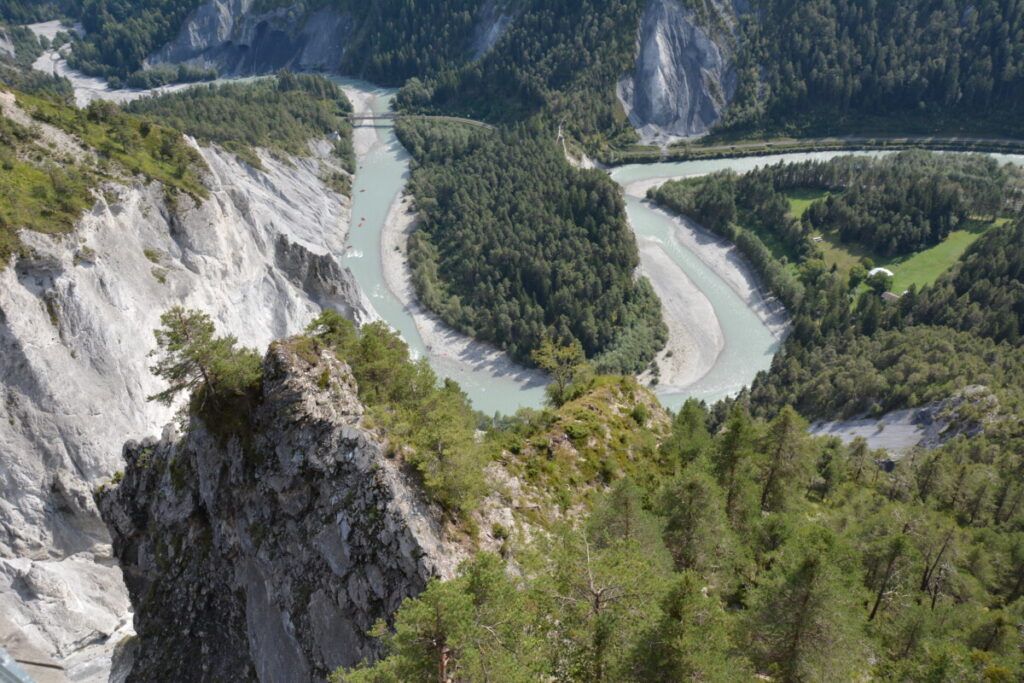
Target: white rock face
x=684, y=76
x=6, y=46
x=270, y=557
x=76, y=321
x=228, y=35
x=495, y=17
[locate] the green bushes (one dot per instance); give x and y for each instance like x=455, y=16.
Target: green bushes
x=431, y=425
x=768, y=554
x=281, y=113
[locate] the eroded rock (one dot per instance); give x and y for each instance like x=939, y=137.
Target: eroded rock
x=269, y=549
x=685, y=76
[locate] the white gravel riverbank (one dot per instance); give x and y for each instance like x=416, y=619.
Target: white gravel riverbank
x=695, y=333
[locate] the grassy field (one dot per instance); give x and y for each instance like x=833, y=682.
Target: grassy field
x=926, y=266
x=799, y=200
x=921, y=268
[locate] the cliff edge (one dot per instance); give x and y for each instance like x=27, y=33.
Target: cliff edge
x=265, y=542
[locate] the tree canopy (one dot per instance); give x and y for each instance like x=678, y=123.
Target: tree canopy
x=515, y=246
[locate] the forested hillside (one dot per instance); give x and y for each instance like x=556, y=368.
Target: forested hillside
x=282, y=113
x=756, y=552
x=515, y=246
x=842, y=65
x=559, y=59
x=851, y=353
x=744, y=548
x=30, y=11
x=984, y=293
x=728, y=548
x=880, y=207
x=826, y=66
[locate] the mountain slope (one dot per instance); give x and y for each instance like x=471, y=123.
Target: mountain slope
x=77, y=310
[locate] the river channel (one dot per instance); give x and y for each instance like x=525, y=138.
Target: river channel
x=748, y=343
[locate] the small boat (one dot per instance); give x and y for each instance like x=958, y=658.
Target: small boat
x=349, y=246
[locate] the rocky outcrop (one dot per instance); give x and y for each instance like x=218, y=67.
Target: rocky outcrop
x=76, y=320
x=268, y=549
x=494, y=18
x=238, y=39
x=230, y=36
x=967, y=413
x=684, y=77
x=6, y=45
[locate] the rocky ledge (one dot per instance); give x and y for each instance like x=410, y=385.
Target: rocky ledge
x=265, y=543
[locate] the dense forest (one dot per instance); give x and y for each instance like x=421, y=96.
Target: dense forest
x=559, y=59
x=887, y=206
x=724, y=548
x=743, y=547
x=31, y=11
x=811, y=67
x=281, y=113
x=850, y=353
x=983, y=293
x=827, y=65
x=751, y=551
x=120, y=34
x=515, y=246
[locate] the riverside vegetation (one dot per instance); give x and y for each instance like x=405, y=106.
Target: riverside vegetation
x=849, y=352
x=719, y=526
x=515, y=246
x=730, y=544
x=282, y=114
x=825, y=66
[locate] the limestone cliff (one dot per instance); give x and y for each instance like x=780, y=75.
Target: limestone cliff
x=685, y=76
x=76, y=320
x=6, y=45
x=267, y=550
x=239, y=40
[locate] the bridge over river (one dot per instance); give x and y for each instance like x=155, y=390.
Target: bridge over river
x=361, y=118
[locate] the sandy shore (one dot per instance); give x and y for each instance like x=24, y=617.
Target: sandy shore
x=732, y=267
x=722, y=257
x=695, y=335
x=695, y=339
x=450, y=346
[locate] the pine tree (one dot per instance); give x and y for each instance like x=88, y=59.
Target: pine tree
x=192, y=358
x=805, y=622
x=690, y=641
